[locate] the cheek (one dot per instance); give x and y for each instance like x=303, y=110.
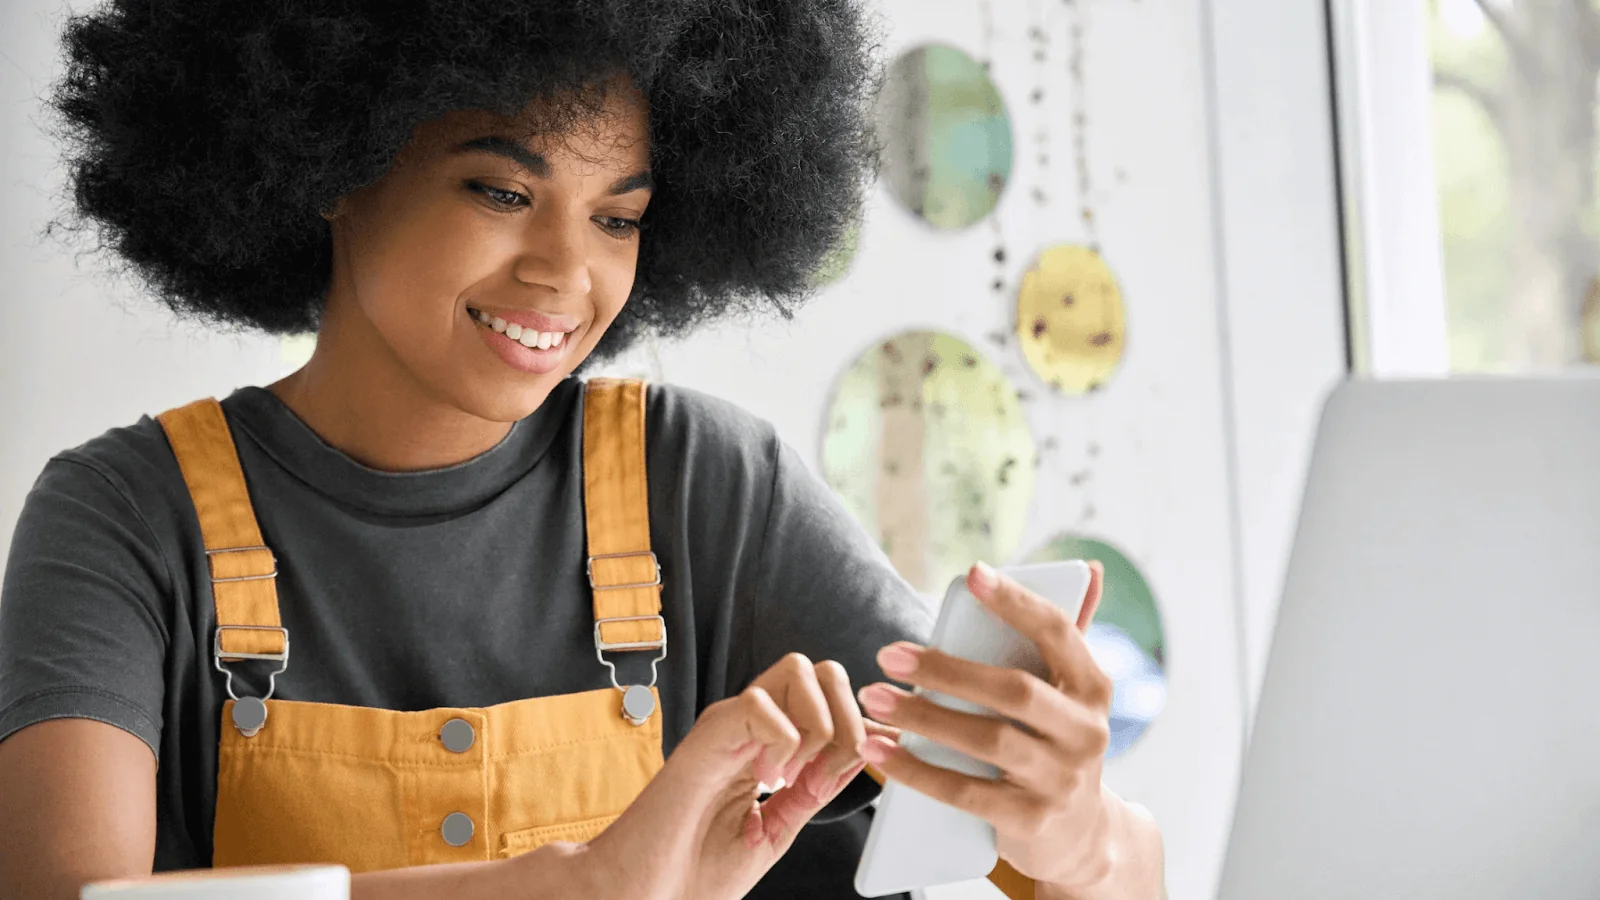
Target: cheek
x=411, y=266
x=612, y=273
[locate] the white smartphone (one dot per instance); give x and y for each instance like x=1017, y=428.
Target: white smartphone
x=916, y=841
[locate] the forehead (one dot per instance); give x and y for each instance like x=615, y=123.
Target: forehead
x=613, y=128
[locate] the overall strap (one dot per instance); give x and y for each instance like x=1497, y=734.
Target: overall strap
x=624, y=575
x=243, y=570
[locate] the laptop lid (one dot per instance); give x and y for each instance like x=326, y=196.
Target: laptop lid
x=1429, y=724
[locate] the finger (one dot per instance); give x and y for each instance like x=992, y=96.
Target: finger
x=766, y=725
x=792, y=682
x=1009, y=807
x=1091, y=599
x=849, y=729
x=1012, y=693
x=785, y=812
x=879, y=729
x=1027, y=759
x=1059, y=641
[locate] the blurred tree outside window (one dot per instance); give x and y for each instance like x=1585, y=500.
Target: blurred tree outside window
x=1514, y=110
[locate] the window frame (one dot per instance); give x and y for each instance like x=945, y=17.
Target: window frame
x=1394, y=257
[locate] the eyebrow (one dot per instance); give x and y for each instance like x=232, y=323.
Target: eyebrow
x=536, y=165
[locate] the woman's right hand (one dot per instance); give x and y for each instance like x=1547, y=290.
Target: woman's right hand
x=698, y=831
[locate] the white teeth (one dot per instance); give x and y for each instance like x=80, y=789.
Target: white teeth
x=527, y=337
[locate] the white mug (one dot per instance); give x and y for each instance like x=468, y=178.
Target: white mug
x=248, y=883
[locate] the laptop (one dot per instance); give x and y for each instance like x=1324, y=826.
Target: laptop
x=1429, y=724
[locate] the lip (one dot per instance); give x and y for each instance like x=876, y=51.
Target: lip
x=530, y=319
x=527, y=360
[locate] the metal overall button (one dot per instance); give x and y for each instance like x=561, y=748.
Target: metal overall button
x=249, y=715
x=457, y=736
x=456, y=829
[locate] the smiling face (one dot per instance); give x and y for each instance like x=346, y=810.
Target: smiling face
x=482, y=269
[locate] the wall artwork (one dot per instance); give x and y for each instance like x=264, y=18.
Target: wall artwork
x=946, y=136
x=927, y=445
x=1070, y=319
x=1126, y=638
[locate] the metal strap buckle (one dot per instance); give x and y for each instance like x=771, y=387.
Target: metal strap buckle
x=589, y=567
x=282, y=659
x=634, y=713
x=272, y=574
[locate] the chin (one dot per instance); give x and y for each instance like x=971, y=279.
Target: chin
x=508, y=402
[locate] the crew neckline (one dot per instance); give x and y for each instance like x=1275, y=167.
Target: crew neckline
x=292, y=444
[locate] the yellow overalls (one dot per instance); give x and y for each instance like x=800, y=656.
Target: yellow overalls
x=380, y=789
x=371, y=789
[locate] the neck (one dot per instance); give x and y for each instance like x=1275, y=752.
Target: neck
x=358, y=397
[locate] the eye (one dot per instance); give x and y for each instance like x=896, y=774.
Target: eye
x=618, y=227
x=504, y=199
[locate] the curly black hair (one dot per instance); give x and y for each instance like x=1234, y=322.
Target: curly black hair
x=206, y=136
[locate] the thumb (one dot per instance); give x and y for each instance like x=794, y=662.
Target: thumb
x=778, y=820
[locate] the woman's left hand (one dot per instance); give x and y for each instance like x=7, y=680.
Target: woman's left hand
x=1054, y=821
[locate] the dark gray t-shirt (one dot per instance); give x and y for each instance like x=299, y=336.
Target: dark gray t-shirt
x=456, y=587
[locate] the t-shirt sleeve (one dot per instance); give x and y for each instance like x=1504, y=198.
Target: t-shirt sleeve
x=824, y=587
x=82, y=633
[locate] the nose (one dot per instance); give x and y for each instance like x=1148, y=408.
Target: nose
x=556, y=255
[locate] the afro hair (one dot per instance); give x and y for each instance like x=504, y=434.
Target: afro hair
x=206, y=137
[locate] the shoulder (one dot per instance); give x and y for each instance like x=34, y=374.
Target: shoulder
x=676, y=412
x=110, y=505
x=707, y=432
x=120, y=489
x=130, y=459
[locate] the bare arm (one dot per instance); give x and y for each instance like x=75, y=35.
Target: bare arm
x=78, y=804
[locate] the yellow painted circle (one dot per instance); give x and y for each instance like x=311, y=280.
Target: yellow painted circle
x=1070, y=319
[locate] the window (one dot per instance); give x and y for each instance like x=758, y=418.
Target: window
x=1514, y=151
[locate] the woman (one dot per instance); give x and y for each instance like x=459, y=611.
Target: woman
x=548, y=637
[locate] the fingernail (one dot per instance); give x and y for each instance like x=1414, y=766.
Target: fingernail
x=875, y=750
x=898, y=660
x=878, y=700
x=985, y=576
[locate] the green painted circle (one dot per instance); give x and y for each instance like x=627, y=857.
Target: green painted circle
x=1126, y=638
x=945, y=136
x=1126, y=600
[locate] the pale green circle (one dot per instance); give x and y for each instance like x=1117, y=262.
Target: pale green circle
x=945, y=136
x=927, y=445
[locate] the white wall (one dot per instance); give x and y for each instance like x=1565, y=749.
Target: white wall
x=79, y=353
x=1203, y=432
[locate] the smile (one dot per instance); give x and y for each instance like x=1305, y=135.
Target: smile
x=527, y=337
